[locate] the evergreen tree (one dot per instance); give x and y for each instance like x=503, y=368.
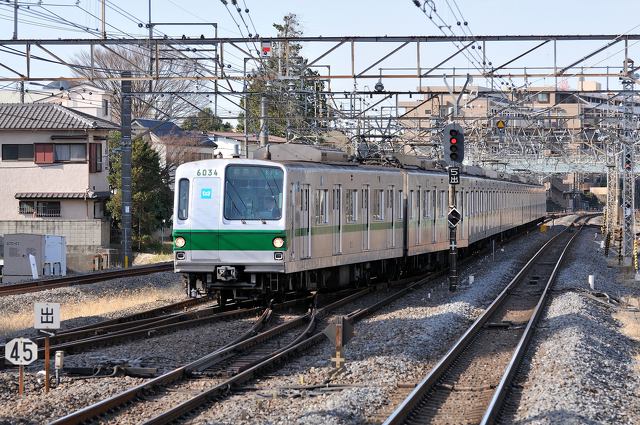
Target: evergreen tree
x=205, y=121
x=294, y=99
x=151, y=195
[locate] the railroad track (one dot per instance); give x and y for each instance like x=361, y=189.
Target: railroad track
x=82, y=279
x=216, y=375
x=149, y=324
x=469, y=384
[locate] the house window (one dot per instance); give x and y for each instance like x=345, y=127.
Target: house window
x=322, y=203
x=26, y=207
x=40, y=208
x=17, y=152
x=378, y=203
x=72, y=152
x=95, y=157
x=543, y=97
x=43, y=153
x=352, y=205
x=105, y=107
x=98, y=209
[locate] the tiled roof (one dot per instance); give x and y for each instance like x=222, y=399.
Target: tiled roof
x=159, y=127
x=48, y=116
x=62, y=195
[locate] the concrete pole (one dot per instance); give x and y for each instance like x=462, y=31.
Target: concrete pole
x=264, y=128
x=15, y=19
x=104, y=20
x=125, y=144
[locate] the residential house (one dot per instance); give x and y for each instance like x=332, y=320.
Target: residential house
x=174, y=145
x=82, y=97
x=53, y=176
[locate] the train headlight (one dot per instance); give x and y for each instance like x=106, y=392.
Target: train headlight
x=180, y=242
x=278, y=242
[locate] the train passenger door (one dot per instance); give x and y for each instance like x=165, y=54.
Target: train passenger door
x=390, y=216
x=205, y=218
x=337, y=219
x=365, y=218
x=305, y=222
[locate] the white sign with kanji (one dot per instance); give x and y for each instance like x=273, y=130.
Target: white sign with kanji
x=21, y=351
x=47, y=316
x=266, y=49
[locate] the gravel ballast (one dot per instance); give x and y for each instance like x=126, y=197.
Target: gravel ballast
x=591, y=379
x=87, y=304
x=581, y=369
x=397, y=345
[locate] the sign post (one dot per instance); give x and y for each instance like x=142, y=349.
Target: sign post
x=453, y=150
x=47, y=316
x=339, y=332
x=21, y=352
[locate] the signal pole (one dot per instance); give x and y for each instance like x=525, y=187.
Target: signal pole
x=453, y=147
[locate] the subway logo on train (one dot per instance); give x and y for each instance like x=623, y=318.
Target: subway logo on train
x=305, y=218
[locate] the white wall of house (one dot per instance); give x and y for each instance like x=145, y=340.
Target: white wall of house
x=27, y=176
x=84, y=98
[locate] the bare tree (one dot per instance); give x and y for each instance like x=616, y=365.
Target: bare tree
x=161, y=102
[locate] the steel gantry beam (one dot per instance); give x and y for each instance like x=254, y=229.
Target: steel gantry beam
x=548, y=140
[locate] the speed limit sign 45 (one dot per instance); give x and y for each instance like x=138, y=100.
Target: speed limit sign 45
x=21, y=351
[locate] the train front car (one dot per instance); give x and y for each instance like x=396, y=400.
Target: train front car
x=229, y=226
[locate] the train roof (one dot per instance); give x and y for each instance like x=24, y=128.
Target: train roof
x=355, y=167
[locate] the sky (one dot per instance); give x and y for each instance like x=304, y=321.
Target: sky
x=345, y=17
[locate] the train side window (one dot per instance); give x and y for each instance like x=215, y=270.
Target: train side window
x=410, y=205
x=426, y=209
x=390, y=203
x=322, y=203
x=183, y=199
x=434, y=203
x=418, y=204
x=352, y=205
x=443, y=203
x=378, y=204
x=400, y=214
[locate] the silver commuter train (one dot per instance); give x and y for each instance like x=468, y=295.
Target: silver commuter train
x=246, y=227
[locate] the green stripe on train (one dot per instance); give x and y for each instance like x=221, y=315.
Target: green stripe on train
x=262, y=240
x=229, y=240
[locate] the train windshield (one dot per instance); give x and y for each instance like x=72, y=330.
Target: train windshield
x=253, y=192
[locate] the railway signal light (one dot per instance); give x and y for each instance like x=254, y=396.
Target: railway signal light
x=453, y=143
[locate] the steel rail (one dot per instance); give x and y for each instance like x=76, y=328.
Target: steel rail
x=83, y=279
x=495, y=406
x=272, y=360
x=410, y=403
x=144, y=331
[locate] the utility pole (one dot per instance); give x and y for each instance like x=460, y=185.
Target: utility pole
x=628, y=176
x=150, y=49
x=125, y=145
x=15, y=19
x=264, y=128
x=104, y=20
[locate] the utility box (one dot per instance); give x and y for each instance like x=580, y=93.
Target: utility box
x=49, y=252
